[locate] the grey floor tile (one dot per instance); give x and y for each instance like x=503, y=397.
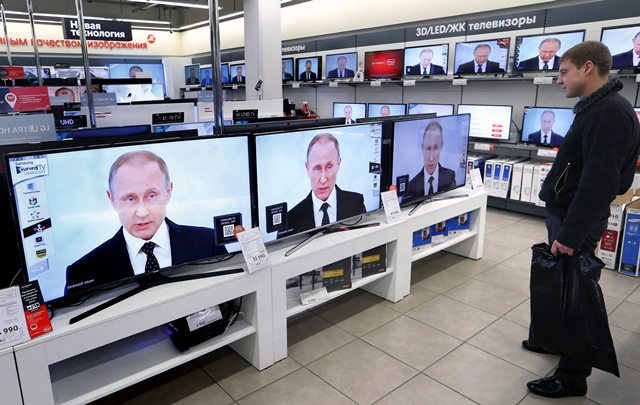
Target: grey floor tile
x=299, y=387
x=617, y=285
x=422, y=390
x=362, y=372
x=452, y=317
x=239, y=378
x=533, y=399
x=481, y=376
x=520, y=261
x=635, y=297
x=607, y=389
x=520, y=314
x=533, y=230
x=471, y=268
x=627, y=346
x=213, y=394
x=612, y=303
x=448, y=260
x=486, y=297
x=497, y=253
x=412, y=342
x=417, y=296
x=310, y=337
x=507, y=278
x=503, y=339
x=442, y=281
x=511, y=240
x=626, y=316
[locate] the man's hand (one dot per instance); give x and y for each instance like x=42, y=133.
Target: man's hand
x=559, y=247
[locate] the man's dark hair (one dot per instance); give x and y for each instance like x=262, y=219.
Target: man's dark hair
x=637, y=35
x=481, y=46
x=551, y=39
x=341, y=57
x=595, y=51
x=433, y=125
x=138, y=155
x=325, y=137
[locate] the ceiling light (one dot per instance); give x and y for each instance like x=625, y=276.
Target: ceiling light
x=186, y=27
x=172, y=3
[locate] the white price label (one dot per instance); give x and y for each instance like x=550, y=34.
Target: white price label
x=409, y=83
x=13, y=325
x=314, y=296
x=376, y=83
x=295, y=85
x=203, y=318
x=391, y=206
x=459, y=82
x=550, y=153
x=476, y=180
x=253, y=250
x=484, y=146
x=234, y=87
x=542, y=80
x=333, y=84
x=637, y=78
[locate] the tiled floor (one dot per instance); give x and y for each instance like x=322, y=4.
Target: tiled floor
x=454, y=340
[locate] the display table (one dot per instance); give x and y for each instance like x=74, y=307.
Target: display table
x=9, y=377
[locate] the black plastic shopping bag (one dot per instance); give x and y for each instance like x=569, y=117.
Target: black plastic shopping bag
x=568, y=314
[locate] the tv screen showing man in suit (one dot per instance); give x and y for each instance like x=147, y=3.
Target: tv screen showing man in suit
x=426, y=60
x=624, y=44
x=342, y=66
x=350, y=111
x=479, y=57
x=192, y=74
x=385, y=110
x=238, y=74
x=546, y=126
x=540, y=53
x=429, y=155
x=309, y=69
x=313, y=178
x=91, y=234
x=287, y=69
x=205, y=76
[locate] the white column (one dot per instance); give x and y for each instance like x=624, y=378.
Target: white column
x=263, y=48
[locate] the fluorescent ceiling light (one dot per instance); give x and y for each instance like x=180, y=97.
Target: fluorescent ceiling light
x=87, y=17
x=172, y=3
x=186, y=27
x=226, y=17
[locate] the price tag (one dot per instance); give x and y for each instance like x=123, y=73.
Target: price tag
x=13, y=325
x=333, y=84
x=376, y=83
x=314, y=296
x=476, y=180
x=253, y=250
x=295, y=85
x=637, y=78
x=391, y=206
x=234, y=87
x=484, y=146
x=203, y=318
x=542, y=80
x=550, y=153
x=409, y=83
x=459, y=82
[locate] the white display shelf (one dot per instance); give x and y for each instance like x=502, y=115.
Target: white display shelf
x=9, y=377
x=449, y=242
x=108, y=369
x=293, y=303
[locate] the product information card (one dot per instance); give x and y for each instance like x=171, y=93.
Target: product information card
x=391, y=206
x=13, y=325
x=253, y=249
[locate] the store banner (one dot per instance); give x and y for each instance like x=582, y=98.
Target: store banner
x=11, y=72
x=27, y=128
x=98, y=29
x=22, y=99
x=293, y=47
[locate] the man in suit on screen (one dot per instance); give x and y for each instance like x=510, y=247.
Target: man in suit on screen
x=433, y=178
x=326, y=203
x=425, y=67
x=238, y=78
x=139, y=191
x=193, y=79
x=348, y=113
x=629, y=58
x=341, y=70
x=547, y=58
x=308, y=75
x=286, y=76
x=480, y=62
x=545, y=135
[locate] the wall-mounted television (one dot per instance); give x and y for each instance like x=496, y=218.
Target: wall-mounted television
x=429, y=155
x=288, y=72
x=129, y=71
x=425, y=108
x=76, y=239
x=350, y=111
x=385, y=110
x=488, y=121
x=224, y=73
x=482, y=57
x=238, y=73
x=309, y=69
x=624, y=44
x=206, y=75
x=384, y=64
x=535, y=53
x=313, y=178
x=192, y=75
x=546, y=126
x=426, y=60
x=342, y=65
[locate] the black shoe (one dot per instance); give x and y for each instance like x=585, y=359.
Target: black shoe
x=551, y=388
x=531, y=348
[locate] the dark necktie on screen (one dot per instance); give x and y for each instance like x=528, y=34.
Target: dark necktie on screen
x=431, y=179
x=341, y=74
x=424, y=71
x=308, y=76
x=545, y=66
x=325, y=215
x=152, y=261
x=479, y=69
x=544, y=139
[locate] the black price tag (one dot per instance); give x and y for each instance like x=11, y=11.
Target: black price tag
x=167, y=118
x=245, y=116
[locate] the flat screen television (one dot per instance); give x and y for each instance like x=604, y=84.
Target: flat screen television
x=299, y=170
x=64, y=94
x=342, y=65
x=624, y=44
x=97, y=72
x=206, y=76
x=105, y=132
x=128, y=93
x=384, y=64
x=129, y=70
x=238, y=73
x=309, y=69
x=224, y=73
x=31, y=73
x=192, y=75
x=546, y=126
x=422, y=108
x=533, y=51
x=429, y=148
x=482, y=57
x=426, y=60
x=288, y=72
x=72, y=238
x=488, y=121
x=384, y=110
x=203, y=128
x=350, y=111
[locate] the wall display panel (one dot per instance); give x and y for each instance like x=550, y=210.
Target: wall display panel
x=534, y=53
x=546, y=126
x=342, y=65
x=482, y=57
x=384, y=64
x=192, y=75
x=309, y=69
x=488, y=121
x=426, y=60
x=238, y=73
x=624, y=44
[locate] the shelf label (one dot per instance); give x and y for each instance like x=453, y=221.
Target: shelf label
x=376, y=83
x=542, y=80
x=295, y=85
x=234, y=87
x=13, y=324
x=409, y=83
x=333, y=84
x=550, y=153
x=637, y=78
x=253, y=250
x=484, y=146
x=314, y=296
x=391, y=206
x=459, y=82
x=203, y=318
x=476, y=180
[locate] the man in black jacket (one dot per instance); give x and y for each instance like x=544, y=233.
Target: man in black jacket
x=595, y=163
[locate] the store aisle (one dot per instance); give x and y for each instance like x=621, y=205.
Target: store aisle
x=454, y=340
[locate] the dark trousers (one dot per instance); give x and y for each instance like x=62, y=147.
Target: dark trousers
x=570, y=370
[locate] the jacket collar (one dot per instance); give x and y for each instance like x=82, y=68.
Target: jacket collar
x=614, y=84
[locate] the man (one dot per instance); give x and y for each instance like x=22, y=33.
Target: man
x=425, y=67
x=480, y=62
x=629, y=58
x=326, y=203
x=385, y=111
x=193, y=79
x=286, y=76
x=206, y=80
x=348, y=112
x=238, y=78
x=139, y=191
x=547, y=58
x=433, y=177
x=133, y=70
x=341, y=70
x=596, y=163
x=307, y=75
x=545, y=135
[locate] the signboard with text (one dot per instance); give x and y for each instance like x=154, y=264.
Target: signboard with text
x=98, y=29
x=20, y=99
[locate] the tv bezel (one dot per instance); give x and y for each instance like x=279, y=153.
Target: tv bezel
x=297, y=67
x=326, y=59
x=506, y=67
x=508, y=140
x=550, y=34
x=381, y=104
x=611, y=27
x=343, y=102
x=368, y=77
x=524, y=114
x=453, y=108
x=446, y=68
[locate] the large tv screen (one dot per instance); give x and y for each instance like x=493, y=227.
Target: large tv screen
x=535, y=53
x=192, y=75
x=342, y=65
x=384, y=64
x=309, y=69
x=350, y=111
x=206, y=76
x=546, y=126
x=238, y=73
x=488, y=121
x=426, y=60
x=624, y=44
x=429, y=155
x=375, y=110
x=482, y=57
x=299, y=172
x=129, y=71
x=84, y=215
x=438, y=109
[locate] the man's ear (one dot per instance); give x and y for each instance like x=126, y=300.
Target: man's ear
x=169, y=190
x=306, y=165
x=111, y=198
